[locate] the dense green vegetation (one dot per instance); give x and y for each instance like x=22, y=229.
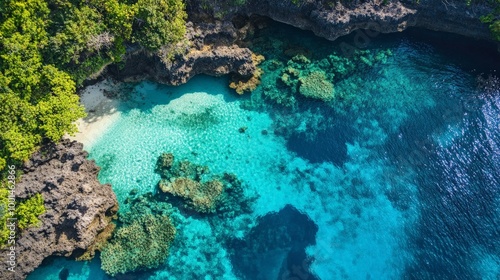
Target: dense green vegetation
x=493, y=19
x=26, y=212
x=47, y=49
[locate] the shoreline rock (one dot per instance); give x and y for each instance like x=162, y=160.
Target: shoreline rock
x=332, y=19
x=78, y=207
x=214, y=40
x=210, y=49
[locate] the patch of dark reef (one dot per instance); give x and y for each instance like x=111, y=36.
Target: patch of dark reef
x=64, y=274
x=201, y=191
x=275, y=248
x=328, y=145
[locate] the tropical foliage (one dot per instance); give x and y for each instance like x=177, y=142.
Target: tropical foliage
x=493, y=19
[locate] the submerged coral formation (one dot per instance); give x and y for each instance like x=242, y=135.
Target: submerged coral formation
x=143, y=239
x=201, y=191
x=146, y=232
x=201, y=196
x=250, y=84
x=315, y=85
x=314, y=77
x=144, y=243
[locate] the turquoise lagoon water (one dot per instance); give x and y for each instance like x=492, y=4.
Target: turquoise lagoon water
x=400, y=182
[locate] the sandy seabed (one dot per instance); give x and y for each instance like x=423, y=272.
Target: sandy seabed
x=102, y=112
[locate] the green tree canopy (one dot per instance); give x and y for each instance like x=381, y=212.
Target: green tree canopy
x=159, y=22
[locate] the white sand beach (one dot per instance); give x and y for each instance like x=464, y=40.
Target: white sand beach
x=101, y=111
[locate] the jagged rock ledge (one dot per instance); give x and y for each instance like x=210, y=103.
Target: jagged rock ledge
x=332, y=19
x=209, y=48
x=214, y=33
x=78, y=207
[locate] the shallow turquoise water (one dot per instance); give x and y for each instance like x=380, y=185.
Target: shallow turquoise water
x=402, y=181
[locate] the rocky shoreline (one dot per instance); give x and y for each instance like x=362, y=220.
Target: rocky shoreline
x=332, y=19
x=214, y=41
x=210, y=48
x=80, y=209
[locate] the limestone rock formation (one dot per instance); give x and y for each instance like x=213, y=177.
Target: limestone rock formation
x=78, y=207
x=332, y=19
x=213, y=41
x=210, y=49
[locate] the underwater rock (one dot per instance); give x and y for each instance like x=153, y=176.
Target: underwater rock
x=200, y=190
x=78, y=207
x=275, y=248
x=64, y=274
x=143, y=237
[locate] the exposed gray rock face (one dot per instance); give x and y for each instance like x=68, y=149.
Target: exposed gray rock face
x=210, y=49
x=453, y=16
x=211, y=42
x=335, y=20
x=332, y=19
x=78, y=207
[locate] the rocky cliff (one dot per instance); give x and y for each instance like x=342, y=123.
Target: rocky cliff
x=78, y=207
x=210, y=48
x=216, y=28
x=332, y=19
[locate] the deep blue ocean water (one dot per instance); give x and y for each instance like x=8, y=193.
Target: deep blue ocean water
x=400, y=180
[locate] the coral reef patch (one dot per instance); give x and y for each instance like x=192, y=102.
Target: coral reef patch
x=315, y=77
x=143, y=239
x=200, y=190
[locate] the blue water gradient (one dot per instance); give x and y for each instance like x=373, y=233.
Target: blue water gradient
x=404, y=183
